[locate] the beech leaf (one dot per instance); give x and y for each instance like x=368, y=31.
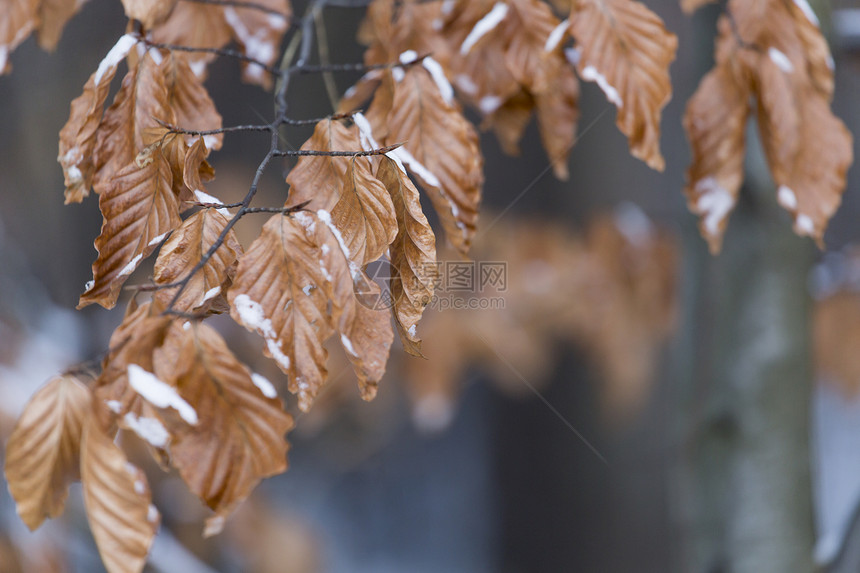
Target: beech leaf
x=626, y=50
x=43, y=452
x=117, y=499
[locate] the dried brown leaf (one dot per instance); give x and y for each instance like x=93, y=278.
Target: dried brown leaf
x=443, y=152
x=117, y=499
x=43, y=452
x=239, y=438
x=139, y=209
x=185, y=249
x=320, y=179
x=19, y=18
x=78, y=136
x=53, y=15
x=150, y=13
x=142, y=99
x=193, y=108
x=364, y=214
x=413, y=255
x=715, y=122
x=626, y=49
x=282, y=289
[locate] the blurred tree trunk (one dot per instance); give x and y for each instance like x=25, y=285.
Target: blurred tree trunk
x=744, y=498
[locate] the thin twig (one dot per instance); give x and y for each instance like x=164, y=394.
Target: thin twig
x=319, y=153
x=224, y=52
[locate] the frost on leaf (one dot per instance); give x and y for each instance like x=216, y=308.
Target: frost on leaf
x=413, y=255
x=185, y=249
x=118, y=502
x=138, y=207
x=43, y=451
x=626, y=50
x=239, y=436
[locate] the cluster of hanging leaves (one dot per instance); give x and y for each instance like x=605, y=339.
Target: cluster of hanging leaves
x=771, y=61
x=171, y=379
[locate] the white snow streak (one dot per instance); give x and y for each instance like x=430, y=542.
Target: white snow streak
x=489, y=104
x=365, y=132
x=714, y=204
x=156, y=240
x=347, y=344
x=786, y=197
x=158, y=393
x=211, y=293
x=148, y=429
x=264, y=385
x=114, y=56
x=804, y=224
x=555, y=37
x=439, y=77
x=484, y=26
x=590, y=74
x=807, y=11
x=132, y=264
x=251, y=314
x=780, y=59
x=205, y=197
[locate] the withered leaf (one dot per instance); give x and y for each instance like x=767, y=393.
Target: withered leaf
x=364, y=214
x=809, y=149
x=53, y=15
x=413, y=255
x=19, y=19
x=715, y=122
x=557, y=115
x=43, y=452
x=320, y=179
x=282, y=289
x=239, y=438
x=185, y=249
x=143, y=98
x=139, y=209
x=626, y=49
x=78, y=136
x=443, y=152
x=117, y=499
x=193, y=108
x=150, y=13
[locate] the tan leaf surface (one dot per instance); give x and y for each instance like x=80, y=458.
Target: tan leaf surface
x=53, y=15
x=78, y=136
x=282, y=290
x=443, y=152
x=195, y=171
x=557, y=114
x=320, y=179
x=150, y=13
x=715, y=122
x=143, y=98
x=195, y=25
x=19, y=18
x=185, y=249
x=366, y=336
x=239, y=438
x=626, y=49
x=190, y=102
x=139, y=209
x=117, y=498
x=364, y=214
x=43, y=452
x=808, y=148
x=690, y=6
x=413, y=255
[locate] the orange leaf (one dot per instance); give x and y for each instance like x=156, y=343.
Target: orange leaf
x=239, y=438
x=44, y=449
x=626, y=49
x=282, y=290
x=117, y=499
x=139, y=209
x=18, y=20
x=413, y=255
x=185, y=249
x=716, y=121
x=78, y=136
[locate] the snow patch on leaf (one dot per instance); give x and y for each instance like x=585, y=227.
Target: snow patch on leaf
x=590, y=74
x=114, y=56
x=484, y=26
x=159, y=393
x=148, y=429
x=266, y=387
x=252, y=315
x=714, y=204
